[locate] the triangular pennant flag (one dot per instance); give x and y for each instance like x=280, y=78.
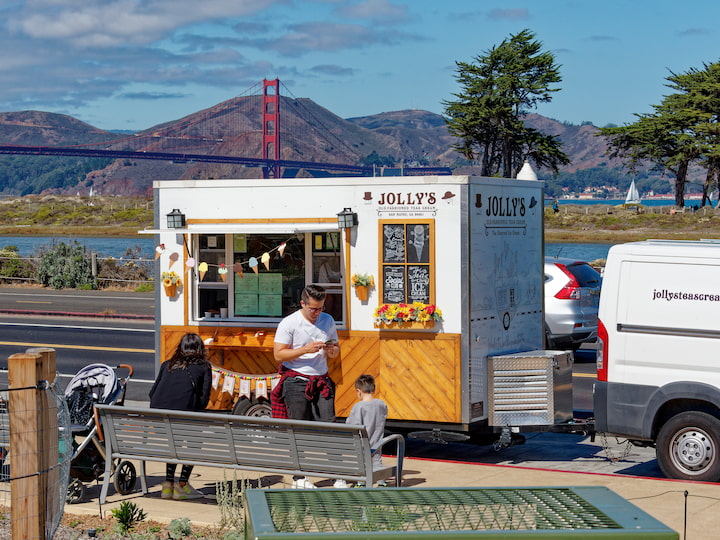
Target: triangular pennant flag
x=266, y=260
x=245, y=388
x=261, y=388
x=229, y=384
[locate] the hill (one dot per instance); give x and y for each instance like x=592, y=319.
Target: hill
x=309, y=132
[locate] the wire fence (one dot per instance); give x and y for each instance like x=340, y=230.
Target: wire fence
x=106, y=270
x=19, y=462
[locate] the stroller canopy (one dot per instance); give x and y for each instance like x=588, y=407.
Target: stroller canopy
x=101, y=378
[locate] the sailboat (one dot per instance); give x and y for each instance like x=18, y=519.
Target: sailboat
x=633, y=195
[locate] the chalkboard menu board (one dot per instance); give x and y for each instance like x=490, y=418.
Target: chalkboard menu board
x=393, y=243
x=393, y=284
x=418, y=280
x=406, y=268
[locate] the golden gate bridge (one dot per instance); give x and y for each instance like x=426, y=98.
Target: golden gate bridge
x=215, y=134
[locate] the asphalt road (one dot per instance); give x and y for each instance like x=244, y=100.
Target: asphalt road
x=47, y=301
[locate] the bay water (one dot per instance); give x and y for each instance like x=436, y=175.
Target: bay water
x=117, y=247
x=29, y=246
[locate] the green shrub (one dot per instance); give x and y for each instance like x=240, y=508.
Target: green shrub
x=66, y=266
x=128, y=514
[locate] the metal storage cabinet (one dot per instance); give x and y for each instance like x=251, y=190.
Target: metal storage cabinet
x=545, y=512
x=530, y=388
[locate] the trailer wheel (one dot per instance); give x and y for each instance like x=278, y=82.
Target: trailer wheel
x=258, y=407
x=688, y=447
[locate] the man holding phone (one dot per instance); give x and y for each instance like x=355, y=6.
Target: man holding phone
x=304, y=340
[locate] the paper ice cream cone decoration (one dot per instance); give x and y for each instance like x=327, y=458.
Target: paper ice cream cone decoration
x=202, y=269
x=159, y=250
x=222, y=271
x=253, y=264
x=265, y=259
x=173, y=259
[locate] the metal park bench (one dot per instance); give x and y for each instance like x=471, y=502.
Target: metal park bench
x=267, y=445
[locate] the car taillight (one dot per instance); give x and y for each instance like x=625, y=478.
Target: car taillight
x=571, y=290
x=601, y=362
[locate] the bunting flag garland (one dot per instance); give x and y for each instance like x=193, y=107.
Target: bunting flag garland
x=237, y=267
x=245, y=383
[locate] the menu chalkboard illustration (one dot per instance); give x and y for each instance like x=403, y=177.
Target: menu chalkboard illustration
x=393, y=243
x=393, y=284
x=418, y=243
x=418, y=279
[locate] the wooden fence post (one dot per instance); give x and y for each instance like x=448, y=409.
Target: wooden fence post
x=33, y=440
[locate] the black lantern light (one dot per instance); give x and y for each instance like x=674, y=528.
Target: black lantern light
x=175, y=219
x=347, y=219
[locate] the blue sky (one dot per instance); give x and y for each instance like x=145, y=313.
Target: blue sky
x=131, y=64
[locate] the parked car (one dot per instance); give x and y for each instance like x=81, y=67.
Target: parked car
x=572, y=296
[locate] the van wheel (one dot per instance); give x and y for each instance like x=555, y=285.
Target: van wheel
x=688, y=447
x=258, y=407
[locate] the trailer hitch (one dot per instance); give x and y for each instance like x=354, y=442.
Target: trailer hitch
x=508, y=439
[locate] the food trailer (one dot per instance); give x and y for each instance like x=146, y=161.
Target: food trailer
x=452, y=328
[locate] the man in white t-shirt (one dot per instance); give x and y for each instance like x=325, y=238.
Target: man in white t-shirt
x=304, y=340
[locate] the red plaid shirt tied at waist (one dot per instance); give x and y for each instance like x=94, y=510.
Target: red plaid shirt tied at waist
x=318, y=385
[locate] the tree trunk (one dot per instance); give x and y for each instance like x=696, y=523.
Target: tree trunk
x=680, y=184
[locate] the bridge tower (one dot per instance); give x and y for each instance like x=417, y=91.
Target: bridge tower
x=271, y=126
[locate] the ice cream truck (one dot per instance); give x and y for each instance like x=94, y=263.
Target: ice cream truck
x=451, y=325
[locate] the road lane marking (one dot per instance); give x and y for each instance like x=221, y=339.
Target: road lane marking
x=78, y=327
x=79, y=347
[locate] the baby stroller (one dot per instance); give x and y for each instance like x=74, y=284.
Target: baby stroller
x=96, y=383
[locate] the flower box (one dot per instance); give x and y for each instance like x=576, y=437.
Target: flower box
x=405, y=325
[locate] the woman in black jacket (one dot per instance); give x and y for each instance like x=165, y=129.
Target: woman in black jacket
x=183, y=384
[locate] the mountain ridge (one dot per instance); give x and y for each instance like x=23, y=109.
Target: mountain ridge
x=309, y=133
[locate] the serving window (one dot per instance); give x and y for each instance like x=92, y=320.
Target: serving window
x=259, y=277
x=407, y=260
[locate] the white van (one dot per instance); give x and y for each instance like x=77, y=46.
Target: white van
x=658, y=365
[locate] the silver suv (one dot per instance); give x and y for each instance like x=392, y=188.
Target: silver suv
x=572, y=294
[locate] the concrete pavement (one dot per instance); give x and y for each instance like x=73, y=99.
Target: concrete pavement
x=544, y=461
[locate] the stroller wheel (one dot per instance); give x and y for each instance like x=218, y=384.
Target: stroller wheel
x=125, y=477
x=75, y=491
